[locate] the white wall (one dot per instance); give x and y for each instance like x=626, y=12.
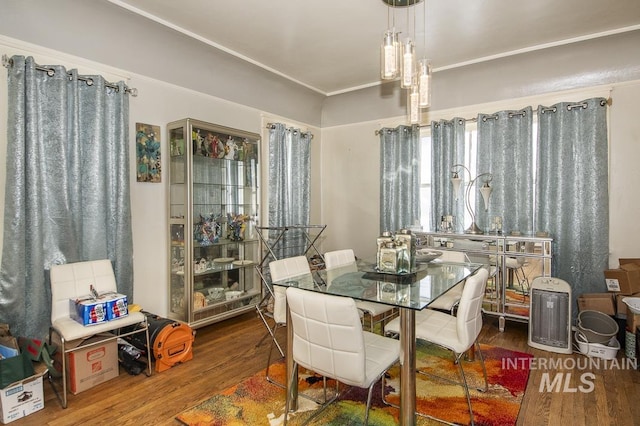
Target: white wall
x=624, y=185
x=157, y=103
x=160, y=103
x=351, y=170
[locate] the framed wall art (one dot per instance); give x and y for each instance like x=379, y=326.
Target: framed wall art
x=148, y=153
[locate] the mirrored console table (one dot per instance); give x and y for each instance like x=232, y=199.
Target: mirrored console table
x=513, y=263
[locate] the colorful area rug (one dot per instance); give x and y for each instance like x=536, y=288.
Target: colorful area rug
x=255, y=401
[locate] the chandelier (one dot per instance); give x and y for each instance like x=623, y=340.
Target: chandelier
x=398, y=59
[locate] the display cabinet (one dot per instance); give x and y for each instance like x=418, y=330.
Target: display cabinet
x=513, y=262
x=213, y=210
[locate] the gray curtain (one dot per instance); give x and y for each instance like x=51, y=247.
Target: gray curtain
x=572, y=190
x=67, y=186
x=447, y=149
x=289, y=187
x=399, y=177
x=505, y=149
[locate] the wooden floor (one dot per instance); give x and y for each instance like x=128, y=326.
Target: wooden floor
x=226, y=353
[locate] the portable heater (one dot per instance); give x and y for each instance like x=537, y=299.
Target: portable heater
x=550, y=315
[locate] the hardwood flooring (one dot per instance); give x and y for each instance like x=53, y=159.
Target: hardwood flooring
x=226, y=352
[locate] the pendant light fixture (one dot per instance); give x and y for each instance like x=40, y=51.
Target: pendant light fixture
x=390, y=49
x=413, y=104
x=408, y=66
x=424, y=70
x=424, y=82
x=399, y=60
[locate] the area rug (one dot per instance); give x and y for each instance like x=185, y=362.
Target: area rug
x=255, y=401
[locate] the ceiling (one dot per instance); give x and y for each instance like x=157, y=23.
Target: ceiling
x=332, y=46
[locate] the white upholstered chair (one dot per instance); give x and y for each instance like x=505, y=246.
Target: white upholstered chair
x=457, y=333
x=281, y=270
x=449, y=300
x=328, y=339
x=515, y=268
x=72, y=281
x=374, y=313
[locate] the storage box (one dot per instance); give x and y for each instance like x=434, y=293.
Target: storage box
x=601, y=302
x=621, y=307
x=22, y=398
x=92, y=365
x=117, y=306
x=626, y=261
x=88, y=311
x=633, y=320
x=624, y=280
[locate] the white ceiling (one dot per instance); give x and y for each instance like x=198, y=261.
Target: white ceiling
x=332, y=46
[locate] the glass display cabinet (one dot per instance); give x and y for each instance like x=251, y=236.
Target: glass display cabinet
x=213, y=210
x=513, y=263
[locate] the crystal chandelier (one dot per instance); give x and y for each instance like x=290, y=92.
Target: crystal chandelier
x=398, y=60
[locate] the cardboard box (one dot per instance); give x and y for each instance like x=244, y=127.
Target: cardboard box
x=601, y=302
x=633, y=320
x=117, y=306
x=88, y=311
x=621, y=307
x=22, y=398
x=625, y=280
x=92, y=365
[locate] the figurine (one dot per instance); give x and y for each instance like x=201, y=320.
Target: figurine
x=231, y=149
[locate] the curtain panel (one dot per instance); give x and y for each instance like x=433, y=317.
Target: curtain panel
x=447, y=149
x=573, y=192
x=505, y=149
x=289, y=186
x=67, y=187
x=400, y=177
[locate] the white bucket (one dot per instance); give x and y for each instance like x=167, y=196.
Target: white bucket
x=596, y=326
x=598, y=350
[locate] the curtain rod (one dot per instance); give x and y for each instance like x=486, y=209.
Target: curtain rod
x=272, y=126
x=608, y=101
x=8, y=62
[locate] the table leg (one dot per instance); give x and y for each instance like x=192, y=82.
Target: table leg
x=407, y=367
x=292, y=382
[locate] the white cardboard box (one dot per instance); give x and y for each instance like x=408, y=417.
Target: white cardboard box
x=92, y=365
x=22, y=398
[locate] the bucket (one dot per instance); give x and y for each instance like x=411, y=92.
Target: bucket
x=597, y=327
x=598, y=350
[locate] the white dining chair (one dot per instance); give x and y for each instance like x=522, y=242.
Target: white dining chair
x=449, y=300
x=281, y=270
x=373, y=313
x=515, y=268
x=328, y=339
x=72, y=281
x=457, y=333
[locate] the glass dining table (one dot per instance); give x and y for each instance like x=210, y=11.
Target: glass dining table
x=409, y=292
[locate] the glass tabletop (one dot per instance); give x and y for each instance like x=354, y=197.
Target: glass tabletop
x=360, y=281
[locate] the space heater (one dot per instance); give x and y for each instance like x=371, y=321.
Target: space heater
x=550, y=315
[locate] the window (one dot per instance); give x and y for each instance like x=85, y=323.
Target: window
x=471, y=149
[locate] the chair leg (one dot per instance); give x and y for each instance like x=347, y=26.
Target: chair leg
x=366, y=413
x=465, y=385
x=484, y=368
x=63, y=355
